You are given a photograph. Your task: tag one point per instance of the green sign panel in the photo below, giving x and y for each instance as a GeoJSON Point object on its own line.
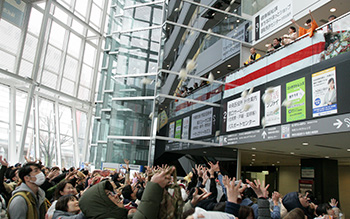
{"type": "Point", "coordinates": [295, 91]}
{"type": "Point", "coordinates": [178, 128]}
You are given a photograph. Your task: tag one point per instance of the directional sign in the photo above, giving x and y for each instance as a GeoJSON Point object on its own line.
{"type": "Point", "coordinates": [334, 124]}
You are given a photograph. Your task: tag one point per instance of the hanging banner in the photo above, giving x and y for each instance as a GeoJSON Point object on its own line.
{"type": "Point", "coordinates": [272, 109]}
{"type": "Point", "coordinates": [243, 112]}
{"type": "Point", "coordinates": [324, 93]}
{"type": "Point", "coordinates": [202, 123]}
{"type": "Point", "coordinates": [295, 91]}
{"type": "Point", "coordinates": [13, 12]}
{"type": "Point", "coordinates": [272, 16]}
{"type": "Point", "coordinates": [229, 47]}
{"type": "Point", "coordinates": [178, 128]}
{"type": "Point", "coordinates": [186, 127]}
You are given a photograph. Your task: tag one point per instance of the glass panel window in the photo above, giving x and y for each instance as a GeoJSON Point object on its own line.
{"type": "Point", "coordinates": [70, 68]}
{"type": "Point", "coordinates": [35, 22]}
{"type": "Point", "coordinates": [4, 103]}
{"type": "Point", "coordinates": [30, 47]}
{"type": "Point", "coordinates": [26, 68]}
{"type": "Point", "coordinates": [57, 34]}
{"type": "Point", "coordinates": [4, 139]}
{"type": "Point", "coordinates": [9, 36]}
{"type": "Point", "coordinates": [52, 59]}
{"type": "Point", "coordinates": [49, 79]}
{"type": "Point", "coordinates": [21, 99]}
{"type": "Point", "coordinates": [74, 45]}
{"type": "Point", "coordinates": [95, 17]}
{"type": "Point", "coordinates": [7, 61]}
{"type": "Point", "coordinates": [67, 86]}
{"type": "Point", "coordinates": [89, 54]}
{"type": "Point", "coordinates": [86, 75]}
{"type": "Point", "coordinates": [81, 7]}
{"type": "Point", "coordinates": [84, 93]}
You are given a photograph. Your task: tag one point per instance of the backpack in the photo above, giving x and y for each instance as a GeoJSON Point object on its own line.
{"type": "Point", "coordinates": [171, 206]}
{"type": "Point", "coordinates": [31, 212]}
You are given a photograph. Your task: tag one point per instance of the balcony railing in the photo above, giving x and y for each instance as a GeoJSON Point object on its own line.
{"type": "Point", "coordinates": [330, 40]}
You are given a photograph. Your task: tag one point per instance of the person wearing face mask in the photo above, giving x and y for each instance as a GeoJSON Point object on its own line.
{"type": "Point", "coordinates": [28, 200]}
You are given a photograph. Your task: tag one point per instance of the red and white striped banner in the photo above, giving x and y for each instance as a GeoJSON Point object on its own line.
{"type": "Point", "coordinates": [303, 53]}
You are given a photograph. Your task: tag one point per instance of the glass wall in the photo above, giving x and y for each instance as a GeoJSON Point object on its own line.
{"type": "Point", "coordinates": [50, 62]}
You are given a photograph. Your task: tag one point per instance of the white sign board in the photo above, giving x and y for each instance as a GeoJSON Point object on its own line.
{"type": "Point", "coordinates": [243, 112]}
{"type": "Point", "coordinates": [185, 127]}
{"type": "Point", "coordinates": [202, 123]}
{"type": "Point", "coordinates": [324, 93]}
{"type": "Point", "coordinates": [273, 109]}
{"type": "Point", "coordinates": [272, 16]}
{"type": "Point", "coordinates": [171, 130]}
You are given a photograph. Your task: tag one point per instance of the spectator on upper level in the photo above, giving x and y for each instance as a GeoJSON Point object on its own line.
{"type": "Point", "coordinates": [253, 56]}
{"type": "Point", "coordinates": [290, 37]}
{"type": "Point", "coordinates": [310, 23]}
{"type": "Point", "coordinates": [276, 43]}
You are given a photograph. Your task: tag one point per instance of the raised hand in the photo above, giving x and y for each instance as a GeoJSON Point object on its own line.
{"type": "Point", "coordinates": [163, 177]}
{"type": "Point", "coordinates": [232, 191]}
{"type": "Point", "coordinates": [3, 162]}
{"type": "Point", "coordinates": [259, 189]}
{"type": "Point", "coordinates": [215, 167]}
{"type": "Point", "coordinates": [333, 202]}
{"type": "Point", "coordinates": [197, 198]}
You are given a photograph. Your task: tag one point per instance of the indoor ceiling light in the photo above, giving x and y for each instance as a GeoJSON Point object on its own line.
{"type": "Point", "coordinates": [348, 149]}
{"type": "Point", "coordinates": [253, 159]}
{"type": "Point", "coordinates": [291, 152]}
{"type": "Point", "coordinates": [332, 9]}
{"type": "Point", "coordinates": [253, 148]}
{"type": "Point", "coordinates": [253, 155]}
{"type": "Point", "coordinates": [277, 162]}
{"type": "Point", "coordinates": [228, 66]}
{"type": "Point", "coordinates": [218, 72]}
{"type": "Point", "coordinates": [305, 143]}
{"type": "Point", "coordinates": [326, 157]}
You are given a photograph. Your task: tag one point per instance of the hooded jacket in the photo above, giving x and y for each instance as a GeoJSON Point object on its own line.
{"type": "Point", "coordinates": [18, 207]}
{"type": "Point", "coordinates": [96, 204]}
{"type": "Point", "coordinates": [66, 215]}
{"type": "Point", "coordinates": [291, 201]}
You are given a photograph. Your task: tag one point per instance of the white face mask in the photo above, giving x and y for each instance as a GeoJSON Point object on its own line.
{"type": "Point", "coordinates": [40, 179]}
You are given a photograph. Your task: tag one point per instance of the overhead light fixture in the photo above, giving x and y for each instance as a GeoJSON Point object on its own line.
{"type": "Point", "coordinates": [250, 164]}
{"type": "Point", "coordinates": [253, 155]}
{"type": "Point", "coordinates": [332, 10]}
{"type": "Point", "coordinates": [305, 143]}
{"type": "Point", "coordinates": [326, 157]}
{"type": "Point", "coordinates": [253, 148]}
{"type": "Point", "coordinates": [291, 152]}
{"type": "Point", "coordinates": [277, 162]}
{"type": "Point", "coordinates": [204, 152]}
{"type": "Point", "coordinates": [228, 66]}
{"type": "Point", "coordinates": [218, 72]}
{"type": "Point", "coordinates": [273, 164]}
{"type": "Point", "coordinates": [348, 150]}
{"type": "Point", "coordinates": [225, 17]}
{"type": "Point", "coordinates": [253, 159]}
{"type": "Point", "coordinates": [237, 21]}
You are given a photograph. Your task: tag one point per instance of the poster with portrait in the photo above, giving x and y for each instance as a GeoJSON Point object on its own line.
{"type": "Point", "coordinates": [324, 93]}
{"type": "Point", "coordinates": [273, 109]}
{"type": "Point", "coordinates": [243, 112]}
{"type": "Point", "coordinates": [295, 91]}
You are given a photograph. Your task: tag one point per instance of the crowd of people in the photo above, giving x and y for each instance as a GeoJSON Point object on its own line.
{"type": "Point", "coordinates": [292, 35]}
{"type": "Point", "coordinates": [35, 191]}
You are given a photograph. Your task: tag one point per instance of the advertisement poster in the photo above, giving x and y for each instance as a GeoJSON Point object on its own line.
{"type": "Point", "coordinates": [324, 93]}
{"type": "Point", "coordinates": [186, 127]}
{"type": "Point", "coordinates": [178, 128]}
{"type": "Point", "coordinates": [272, 109]}
{"type": "Point", "coordinates": [243, 112]}
{"type": "Point", "coordinates": [295, 91]}
{"type": "Point", "coordinates": [202, 123]}
{"type": "Point", "coordinates": [171, 130]}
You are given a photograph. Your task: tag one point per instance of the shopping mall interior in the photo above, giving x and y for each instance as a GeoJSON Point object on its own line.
{"type": "Point", "coordinates": [91, 82]}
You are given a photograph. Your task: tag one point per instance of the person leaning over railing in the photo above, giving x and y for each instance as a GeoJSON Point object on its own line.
{"type": "Point", "coordinates": [253, 56]}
